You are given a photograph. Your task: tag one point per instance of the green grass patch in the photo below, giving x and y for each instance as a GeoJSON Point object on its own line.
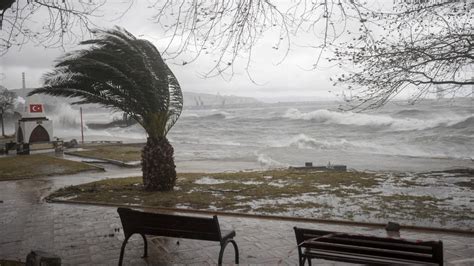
{"type": "Point", "coordinates": [38, 165]}
{"type": "Point", "coordinates": [232, 191]}
{"type": "Point", "coordinates": [120, 152]}
{"type": "Point", "coordinates": [11, 263]}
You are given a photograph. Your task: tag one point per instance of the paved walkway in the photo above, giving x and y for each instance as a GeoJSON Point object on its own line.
{"type": "Point", "coordinates": [92, 235]}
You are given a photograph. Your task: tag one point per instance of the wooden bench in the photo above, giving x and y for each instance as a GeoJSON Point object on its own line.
{"type": "Point", "coordinates": [145, 223]}
{"type": "Point", "coordinates": [363, 249]}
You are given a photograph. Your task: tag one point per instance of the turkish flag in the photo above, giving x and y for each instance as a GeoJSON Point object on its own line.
{"type": "Point", "coordinates": [36, 108]}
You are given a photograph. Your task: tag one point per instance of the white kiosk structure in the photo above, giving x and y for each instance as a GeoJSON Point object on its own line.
{"type": "Point", "coordinates": [33, 127]}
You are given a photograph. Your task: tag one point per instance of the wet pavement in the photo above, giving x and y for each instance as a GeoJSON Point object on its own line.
{"type": "Point", "coordinates": [92, 235]}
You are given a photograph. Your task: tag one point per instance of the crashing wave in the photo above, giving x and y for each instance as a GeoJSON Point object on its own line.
{"type": "Point", "coordinates": [302, 141]}
{"type": "Point", "coordinates": [371, 120]}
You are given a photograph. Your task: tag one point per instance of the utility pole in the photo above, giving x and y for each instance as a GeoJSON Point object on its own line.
{"type": "Point", "coordinates": [82, 127]}
{"type": "Point", "coordinates": [1, 118]}
{"type": "Point", "coordinates": [23, 80]}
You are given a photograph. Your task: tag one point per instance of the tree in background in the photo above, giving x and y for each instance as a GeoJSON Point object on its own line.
{"type": "Point", "coordinates": [392, 49]}
{"type": "Point", "coordinates": [383, 47]}
{"type": "Point", "coordinates": [124, 73]}
{"type": "Point", "coordinates": [7, 100]}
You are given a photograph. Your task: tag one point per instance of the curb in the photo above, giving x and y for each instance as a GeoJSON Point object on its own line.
{"type": "Point", "coordinates": [104, 160]}
{"type": "Point", "coordinates": [267, 217]}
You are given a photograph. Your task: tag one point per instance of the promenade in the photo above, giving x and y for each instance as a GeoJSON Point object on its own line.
{"type": "Point", "coordinates": [92, 235]}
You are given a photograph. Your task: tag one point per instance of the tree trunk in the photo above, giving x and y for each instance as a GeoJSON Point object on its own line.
{"type": "Point", "coordinates": [159, 170]}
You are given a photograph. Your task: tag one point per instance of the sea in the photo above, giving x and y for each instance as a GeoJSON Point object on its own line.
{"type": "Point", "coordinates": [430, 135]}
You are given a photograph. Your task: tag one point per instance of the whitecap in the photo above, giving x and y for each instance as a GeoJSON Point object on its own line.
{"type": "Point", "coordinates": [372, 120]}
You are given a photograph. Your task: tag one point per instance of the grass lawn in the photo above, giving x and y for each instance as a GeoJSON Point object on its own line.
{"type": "Point", "coordinates": [221, 191]}
{"type": "Point", "coordinates": [120, 152]}
{"type": "Point", "coordinates": [11, 263]}
{"type": "Point", "coordinates": [38, 165]}
{"type": "Point", "coordinates": [356, 196]}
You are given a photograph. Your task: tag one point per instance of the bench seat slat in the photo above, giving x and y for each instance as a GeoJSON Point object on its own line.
{"type": "Point", "coordinates": [369, 251]}
{"type": "Point", "coordinates": [421, 247]}
{"type": "Point", "coordinates": [180, 234]}
{"type": "Point", "coordinates": [427, 249]}
{"type": "Point", "coordinates": [363, 259]}
{"type": "Point", "coordinates": [307, 233]}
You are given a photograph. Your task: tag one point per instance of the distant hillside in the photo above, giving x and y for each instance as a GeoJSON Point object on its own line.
{"type": "Point", "coordinates": [191, 99]}
{"type": "Point", "coordinates": [203, 99]}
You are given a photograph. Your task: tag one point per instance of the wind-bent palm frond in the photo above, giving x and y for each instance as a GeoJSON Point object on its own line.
{"type": "Point", "coordinates": [119, 71]}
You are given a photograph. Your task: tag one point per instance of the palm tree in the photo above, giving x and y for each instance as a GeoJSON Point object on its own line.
{"type": "Point", "coordinates": [121, 72]}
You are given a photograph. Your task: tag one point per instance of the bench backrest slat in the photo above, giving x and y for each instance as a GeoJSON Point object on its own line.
{"type": "Point", "coordinates": [320, 240]}
{"type": "Point", "coordinates": [169, 225]}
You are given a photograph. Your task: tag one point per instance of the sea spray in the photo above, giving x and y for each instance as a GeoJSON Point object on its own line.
{"type": "Point", "coordinates": [65, 117]}
{"type": "Point", "coordinates": [268, 163]}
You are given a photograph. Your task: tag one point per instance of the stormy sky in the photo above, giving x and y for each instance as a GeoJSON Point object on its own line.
{"type": "Point", "coordinates": [291, 79]}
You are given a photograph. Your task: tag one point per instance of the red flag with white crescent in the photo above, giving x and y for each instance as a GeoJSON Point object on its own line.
{"type": "Point", "coordinates": [36, 108]}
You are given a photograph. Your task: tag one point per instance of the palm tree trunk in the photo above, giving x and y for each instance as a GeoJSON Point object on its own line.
{"type": "Point", "coordinates": [159, 170]}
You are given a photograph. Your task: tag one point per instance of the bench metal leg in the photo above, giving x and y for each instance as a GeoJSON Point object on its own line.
{"type": "Point", "coordinates": [145, 253]}
{"type": "Point", "coordinates": [301, 258]}
{"type": "Point", "coordinates": [122, 250]}
{"type": "Point", "coordinates": [236, 250]}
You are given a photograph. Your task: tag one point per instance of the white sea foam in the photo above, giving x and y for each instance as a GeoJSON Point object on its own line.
{"type": "Point", "coordinates": [189, 115]}
{"type": "Point", "coordinates": [252, 182]}
{"type": "Point", "coordinates": [208, 114]}
{"type": "Point", "coordinates": [372, 120]}
{"type": "Point", "coordinates": [207, 180]}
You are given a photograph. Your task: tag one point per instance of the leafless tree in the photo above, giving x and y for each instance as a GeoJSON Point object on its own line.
{"type": "Point", "coordinates": [45, 23]}
{"type": "Point", "coordinates": [7, 99]}
{"type": "Point", "coordinates": [230, 30]}
{"type": "Point", "coordinates": [427, 46]}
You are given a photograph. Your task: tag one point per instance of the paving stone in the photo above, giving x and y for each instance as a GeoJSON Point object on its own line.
{"type": "Point", "coordinates": [85, 235]}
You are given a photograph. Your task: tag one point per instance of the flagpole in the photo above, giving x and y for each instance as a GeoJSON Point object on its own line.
{"type": "Point", "coordinates": [82, 127]}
